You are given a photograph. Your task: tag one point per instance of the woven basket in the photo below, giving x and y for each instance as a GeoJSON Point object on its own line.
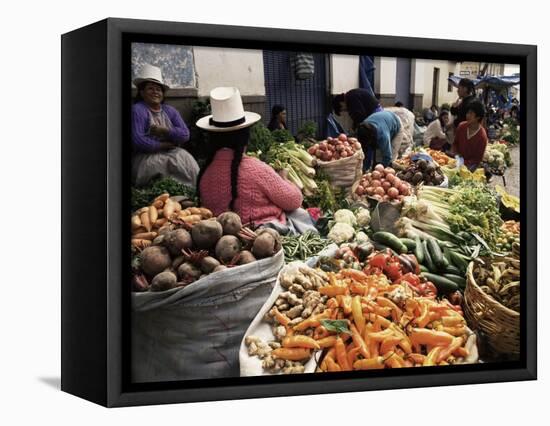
{"type": "Point", "coordinates": [499, 324]}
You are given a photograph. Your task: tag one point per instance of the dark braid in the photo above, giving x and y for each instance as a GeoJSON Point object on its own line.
{"type": "Point", "coordinates": [237, 141]}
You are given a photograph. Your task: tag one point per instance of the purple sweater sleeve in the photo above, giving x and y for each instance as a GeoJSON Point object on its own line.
{"type": "Point", "coordinates": [179, 133]}
{"type": "Point", "coordinates": [140, 127]}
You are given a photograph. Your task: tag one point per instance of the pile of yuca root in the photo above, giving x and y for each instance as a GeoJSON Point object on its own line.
{"type": "Point", "coordinates": [363, 322]}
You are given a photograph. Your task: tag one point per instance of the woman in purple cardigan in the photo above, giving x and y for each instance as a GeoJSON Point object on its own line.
{"type": "Point", "coordinates": [158, 134]}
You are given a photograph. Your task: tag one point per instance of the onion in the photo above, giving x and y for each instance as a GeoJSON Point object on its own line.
{"type": "Point", "coordinates": [386, 185]}
{"type": "Point", "coordinates": [376, 182]}
{"type": "Point", "coordinates": [390, 178]}
{"type": "Point", "coordinates": [342, 137]}
{"type": "Point", "coordinates": [379, 191]}
{"type": "Point", "coordinates": [397, 182]}
{"type": "Point", "coordinates": [389, 170]}
{"type": "Point", "coordinates": [359, 190]}
{"type": "Point", "coordinates": [376, 175]}
{"type": "Point", "coordinates": [379, 168]}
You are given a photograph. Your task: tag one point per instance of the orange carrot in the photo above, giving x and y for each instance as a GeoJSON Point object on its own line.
{"type": "Point", "coordinates": [341, 355]}
{"type": "Point", "coordinates": [374, 363]}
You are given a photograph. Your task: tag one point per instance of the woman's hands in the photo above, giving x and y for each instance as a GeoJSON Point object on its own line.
{"type": "Point", "coordinates": [159, 131]}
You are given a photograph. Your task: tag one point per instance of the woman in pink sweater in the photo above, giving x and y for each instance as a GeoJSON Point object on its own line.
{"type": "Point", "coordinates": [230, 180]}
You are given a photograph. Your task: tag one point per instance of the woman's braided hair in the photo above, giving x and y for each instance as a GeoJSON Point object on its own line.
{"type": "Point", "coordinates": [237, 141]}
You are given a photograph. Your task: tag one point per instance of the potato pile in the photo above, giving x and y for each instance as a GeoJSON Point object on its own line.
{"type": "Point", "coordinates": [186, 251]}
{"type": "Point", "coordinates": [382, 184]}
{"type": "Point", "coordinates": [422, 171]}
{"type": "Point", "coordinates": [147, 222]}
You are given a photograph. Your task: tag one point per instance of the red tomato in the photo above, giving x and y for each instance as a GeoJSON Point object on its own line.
{"type": "Point", "coordinates": [411, 279]}
{"type": "Point", "coordinates": [379, 260]}
{"type": "Point", "coordinates": [393, 270]}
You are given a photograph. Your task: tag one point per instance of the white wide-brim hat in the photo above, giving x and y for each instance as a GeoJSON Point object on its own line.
{"type": "Point", "coordinates": [228, 113]}
{"type": "Point", "coordinates": [150, 73]}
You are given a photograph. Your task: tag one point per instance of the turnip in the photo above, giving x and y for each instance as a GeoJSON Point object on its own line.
{"type": "Point", "coordinates": [177, 240]}
{"type": "Point", "coordinates": [246, 257]}
{"type": "Point", "coordinates": [231, 223]}
{"type": "Point", "coordinates": [189, 272]}
{"type": "Point", "coordinates": [206, 233]}
{"type": "Point", "coordinates": [164, 281]}
{"type": "Point", "coordinates": [208, 264]}
{"type": "Point", "coordinates": [155, 259]}
{"type": "Point", "coordinates": [266, 244]}
{"type": "Point", "coordinates": [227, 248]}
{"type": "Point", "coordinates": [219, 268]}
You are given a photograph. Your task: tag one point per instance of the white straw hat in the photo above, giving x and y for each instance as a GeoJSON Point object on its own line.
{"type": "Point", "coordinates": [228, 113]}
{"type": "Point", "coordinates": [150, 73]}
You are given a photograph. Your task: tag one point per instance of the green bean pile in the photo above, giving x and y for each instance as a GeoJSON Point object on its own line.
{"type": "Point", "coordinates": [302, 247]}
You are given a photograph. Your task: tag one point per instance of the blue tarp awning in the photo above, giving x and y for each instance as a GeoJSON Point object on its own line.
{"type": "Point", "coordinates": [489, 81]}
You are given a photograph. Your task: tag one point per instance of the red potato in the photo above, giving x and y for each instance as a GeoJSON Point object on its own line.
{"type": "Point", "coordinates": [404, 189]}
{"type": "Point", "coordinates": [393, 192]}
{"type": "Point", "coordinates": [376, 174]}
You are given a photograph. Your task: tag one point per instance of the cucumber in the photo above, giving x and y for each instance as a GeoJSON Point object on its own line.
{"type": "Point", "coordinates": [427, 258]}
{"type": "Point", "coordinates": [453, 270]}
{"type": "Point", "coordinates": [387, 238]}
{"type": "Point", "coordinates": [435, 253]}
{"type": "Point", "coordinates": [459, 261]}
{"type": "Point", "coordinates": [419, 251]}
{"type": "Point", "coordinates": [444, 285]}
{"type": "Point", "coordinates": [424, 269]}
{"type": "Point", "coordinates": [382, 247]}
{"type": "Point", "coordinates": [410, 244]}
{"type": "Point", "coordinates": [457, 279]}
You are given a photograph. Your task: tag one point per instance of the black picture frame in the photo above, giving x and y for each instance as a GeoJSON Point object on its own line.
{"type": "Point", "coordinates": [95, 183]}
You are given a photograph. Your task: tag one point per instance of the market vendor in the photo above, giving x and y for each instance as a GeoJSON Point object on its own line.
{"type": "Point", "coordinates": [278, 118]}
{"type": "Point", "coordinates": [470, 136]}
{"type": "Point", "coordinates": [381, 134]}
{"type": "Point", "coordinates": [435, 135]}
{"type": "Point", "coordinates": [466, 94]}
{"type": "Point", "coordinates": [158, 134]}
{"type": "Point", "coordinates": [231, 180]}
{"type": "Point", "coordinates": [359, 104]}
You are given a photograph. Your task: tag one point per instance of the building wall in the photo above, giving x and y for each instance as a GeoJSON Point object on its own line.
{"type": "Point", "coordinates": [384, 79]}
{"type": "Point", "coordinates": [242, 68]}
{"type": "Point", "coordinates": [345, 73]}
{"type": "Point", "coordinates": [427, 71]}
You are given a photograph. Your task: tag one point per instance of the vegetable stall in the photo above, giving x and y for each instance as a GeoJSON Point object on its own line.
{"type": "Point", "coordinates": [413, 265]}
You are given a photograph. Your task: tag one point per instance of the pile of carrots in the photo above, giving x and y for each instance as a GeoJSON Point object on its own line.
{"type": "Point", "coordinates": [379, 325]}
{"type": "Point", "coordinates": [149, 220]}
{"type": "Point", "coordinates": [441, 158]}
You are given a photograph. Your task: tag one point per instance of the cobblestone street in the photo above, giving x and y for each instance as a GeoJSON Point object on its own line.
{"type": "Point", "coordinates": [511, 175]}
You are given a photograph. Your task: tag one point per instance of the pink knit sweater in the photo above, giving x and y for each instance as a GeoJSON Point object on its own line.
{"type": "Point", "coordinates": [263, 195]}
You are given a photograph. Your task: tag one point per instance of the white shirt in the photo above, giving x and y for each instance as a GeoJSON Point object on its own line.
{"type": "Point", "coordinates": [434, 130]}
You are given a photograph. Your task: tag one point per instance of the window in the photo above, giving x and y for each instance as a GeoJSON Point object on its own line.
{"type": "Point", "coordinates": [449, 85]}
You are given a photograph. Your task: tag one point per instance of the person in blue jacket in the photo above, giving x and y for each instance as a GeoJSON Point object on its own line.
{"type": "Point", "coordinates": [380, 134]}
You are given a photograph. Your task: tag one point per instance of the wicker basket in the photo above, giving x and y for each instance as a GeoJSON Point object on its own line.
{"type": "Point", "coordinates": [499, 324]}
